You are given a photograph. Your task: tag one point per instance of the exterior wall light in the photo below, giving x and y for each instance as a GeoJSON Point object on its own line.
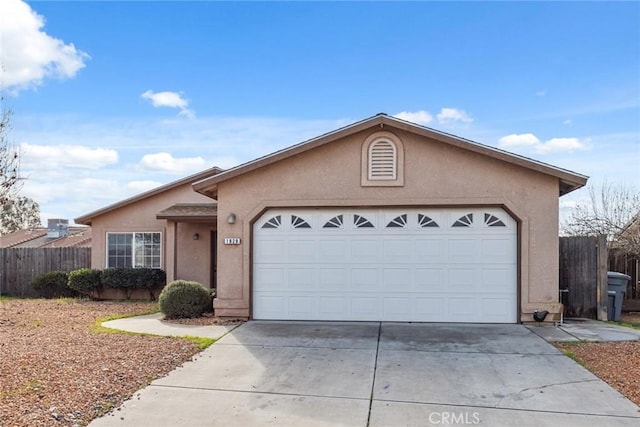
{"type": "Point", "coordinates": [231, 219]}
{"type": "Point", "coordinates": [196, 236]}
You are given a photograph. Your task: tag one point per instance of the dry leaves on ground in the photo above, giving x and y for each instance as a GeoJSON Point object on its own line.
{"type": "Point", "coordinates": [56, 370]}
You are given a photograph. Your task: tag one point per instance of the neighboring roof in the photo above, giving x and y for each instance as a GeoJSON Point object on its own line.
{"type": "Point", "coordinates": [79, 236]}
{"type": "Point", "coordinates": [190, 212]}
{"type": "Point", "coordinates": [86, 219]}
{"type": "Point", "coordinates": [569, 181]}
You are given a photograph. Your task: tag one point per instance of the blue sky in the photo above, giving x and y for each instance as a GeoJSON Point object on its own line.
{"type": "Point", "coordinates": [114, 98]}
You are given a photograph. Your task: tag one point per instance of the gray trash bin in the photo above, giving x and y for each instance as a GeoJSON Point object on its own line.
{"type": "Point", "coordinates": [617, 283]}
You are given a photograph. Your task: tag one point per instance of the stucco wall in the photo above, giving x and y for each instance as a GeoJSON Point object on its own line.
{"type": "Point", "coordinates": [436, 174]}
{"type": "Point", "coordinates": [193, 256]}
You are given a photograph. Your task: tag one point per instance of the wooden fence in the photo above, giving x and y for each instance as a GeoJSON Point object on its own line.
{"type": "Point", "coordinates": [583, 272]}
{"type": "Point", "coordinates": [19, 266]}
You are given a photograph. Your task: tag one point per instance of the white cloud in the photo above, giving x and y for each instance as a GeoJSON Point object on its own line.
{"type": "Point", "coordinates": [165, 162]}
{"type": "Point", "coordinates": [552, 145]}
{"type": "Point", "coordinates": [420, 117]}
{"type": "Point", "coordinates": [171, 100]}
{"type": "Point", "coordinates": [66, 156]}
{"type": "Point", "coordinates": [518, 140]}
{"type": "Point", "coordinates": [29, 54]}
{"type": "Point", "coordinates": [567, 122]}
{"type": "Point", "coordinates": [453, 115]}
{"type": "Point", "coordinates": [541, 92]}
{"type": "Point", "coordinates": [136, 187]}
{"type": "Point", "coordinates": [562, 144]}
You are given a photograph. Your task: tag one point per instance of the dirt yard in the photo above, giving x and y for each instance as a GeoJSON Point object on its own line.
{"type": "Point", "coordinates": [57, 370]}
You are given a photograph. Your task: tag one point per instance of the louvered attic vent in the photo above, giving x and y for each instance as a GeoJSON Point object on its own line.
{"type": "Point", "coordinates": [382, 160]}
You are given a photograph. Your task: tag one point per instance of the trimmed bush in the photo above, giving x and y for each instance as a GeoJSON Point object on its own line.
{"type": "Point", "coordinates": [182, 298]}
{"type": "Point", "coordinates": [140, 278]}
{"type": "Point", "coordinates": [53, 285]}
{"type": "Point", "coordinates": [85, 280]}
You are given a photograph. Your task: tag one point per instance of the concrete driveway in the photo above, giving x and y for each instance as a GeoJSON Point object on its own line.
{"type": "Point", "coordinates": [377, 374]}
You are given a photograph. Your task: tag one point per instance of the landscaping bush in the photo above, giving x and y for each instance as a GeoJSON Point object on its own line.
{"type": "Point", "coordinates": [134, 278]}
{"type": "Point", "coordinates": [85, 280]}
{"type": "Point", "coordinates": [53, 285]}
{"type": "Point", "coordinates": [182, 298]}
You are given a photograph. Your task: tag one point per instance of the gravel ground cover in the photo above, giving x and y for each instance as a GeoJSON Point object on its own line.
{"type": "Point", "coordinates": [617, 363]}
{"type": "Point", "coordinates": [56, 369]}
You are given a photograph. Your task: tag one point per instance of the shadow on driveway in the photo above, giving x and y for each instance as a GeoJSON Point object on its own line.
{"type": "Point", "coordinates": [377, 374]}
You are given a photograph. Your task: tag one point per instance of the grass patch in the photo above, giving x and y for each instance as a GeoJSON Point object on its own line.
{"type": "Point", "coordinates": [99, 329]}
{"type": "Point", "coordinates": [201, 342]}
{"type": "Point", "coordinates": [626, 324]}
{"type": "Point", "coordinates": [571, 355]}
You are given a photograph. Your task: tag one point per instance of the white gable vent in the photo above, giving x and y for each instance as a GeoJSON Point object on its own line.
{"type": "Point", "coordinates": [57, 228]}
{"type": "Point", "coordinates": [382, 160]}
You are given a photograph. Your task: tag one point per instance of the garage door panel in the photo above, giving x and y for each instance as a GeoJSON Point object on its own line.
{"type": "Point", "coordinates": [396, 308]}
{"type": "Point", "coordinates": [335, 249]}
{"type": "Point", "coordinates": [299, 306]}
{"type": "Point", "coordinates": [498, 280]}
{"type": "Point", "coordinates": [461, 280]}
{"type": "Point", "coordinates": [301, 279]}
{"type": "Point", "coordinates": [332, 306]}
{"type": "Point", "coordinates": [396, 279]}
{"type": "Point", "coordinates": [303, 250]}
{"type": "Point", "coordinates": [430, 250]}
{"type": "Point", "coordinates": [445, 265]}
{"type": "Point", "coordinates": [333, 278]}
{"type": "Point", "coordinates": [496, 309]}
{"type": "Point", "coordinates": [271, 250]}
{"type": "Point", "coordinates": [364, 279]}
{"type": "Point", "coordinates": [398, 250]}
{"type": "Point", "coordinates": [430, 309]}
{"type": "Point", "coordinates": [364, 308]}
{"type": "Point", "coordinates": [429, 279]}
{"type": "Point", "coordinates": [364, 250]}
{"type": "Point", "coordinates": [463, 250]}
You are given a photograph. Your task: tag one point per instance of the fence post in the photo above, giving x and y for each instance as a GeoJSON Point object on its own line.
{"type": "Point", "coordinates": [602, 288]}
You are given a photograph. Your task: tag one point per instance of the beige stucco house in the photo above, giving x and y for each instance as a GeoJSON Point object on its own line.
{"type": "Point", "coordinates": [380, 220]}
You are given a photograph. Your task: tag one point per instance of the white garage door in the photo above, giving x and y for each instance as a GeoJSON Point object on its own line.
{"type": "Point", "coordinates": [425, 265]}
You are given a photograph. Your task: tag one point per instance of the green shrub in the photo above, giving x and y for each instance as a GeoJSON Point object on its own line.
{"type": "Point", "coordinates": [53, 285]}
{"type": "Point", "coordinates": [182, 298]}
{"type": "Point", "coordinates": [140, 278]}
{"type": "Point", "coordinates": [85, 280]}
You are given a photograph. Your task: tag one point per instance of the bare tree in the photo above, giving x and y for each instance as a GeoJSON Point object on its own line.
{"type": "Point", "coordinates": [612, 209]}
{"type": "Point", "coordinates": [9, 159]}
{"type": "Point", "coordinates": [16, 212]}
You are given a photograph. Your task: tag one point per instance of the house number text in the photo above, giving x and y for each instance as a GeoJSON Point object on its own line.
{"type": "Point", "coordinates": [231, 240]}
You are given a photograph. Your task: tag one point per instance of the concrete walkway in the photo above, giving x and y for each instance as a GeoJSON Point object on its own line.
{"type": "Point", "coordinates": [573, 330]}
{"type": "Point", "coordinates": [371, 374]}
{"type": "Point", "coordinates": [153, 325]}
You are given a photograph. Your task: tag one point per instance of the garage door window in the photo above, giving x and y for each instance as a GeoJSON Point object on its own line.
{"type": "Point", "coordinates": [335, 222]}
{"type": "Point", "coordinates": [464, 221]}
{"type": "Point", "coordinates": [493, 221]}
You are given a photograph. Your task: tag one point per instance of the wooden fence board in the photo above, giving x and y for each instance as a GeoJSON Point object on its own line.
{"type": "Point", "coordinates": [579, 273]}
{"type": "Point", "coordinates": [19, 266]}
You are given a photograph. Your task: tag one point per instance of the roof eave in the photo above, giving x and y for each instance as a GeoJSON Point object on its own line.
{"type": "Point", "coordinates": [569, 181]}
{"type": "Point", "coordinates": [86, 219]}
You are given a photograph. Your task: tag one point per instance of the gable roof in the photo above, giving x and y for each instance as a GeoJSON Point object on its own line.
{"type": "Point", "coordinates": [569, 181]}
{"type": "Point", "coordinates": [79, 236]}
{"type": "Point", "coordinates": [86, 219]}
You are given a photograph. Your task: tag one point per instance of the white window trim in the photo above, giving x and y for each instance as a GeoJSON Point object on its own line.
{"type": "Point", "coordinates": [367, 180]}
{"type": "Point", "coordinates": [106, 244]}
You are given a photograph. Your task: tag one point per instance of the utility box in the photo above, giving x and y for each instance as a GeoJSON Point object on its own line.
{"type": "Point", "coordinates": [617, 286]}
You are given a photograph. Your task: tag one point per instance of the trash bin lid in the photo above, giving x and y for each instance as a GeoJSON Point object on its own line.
{"type": "Point", "coordinates": [616, 275]}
